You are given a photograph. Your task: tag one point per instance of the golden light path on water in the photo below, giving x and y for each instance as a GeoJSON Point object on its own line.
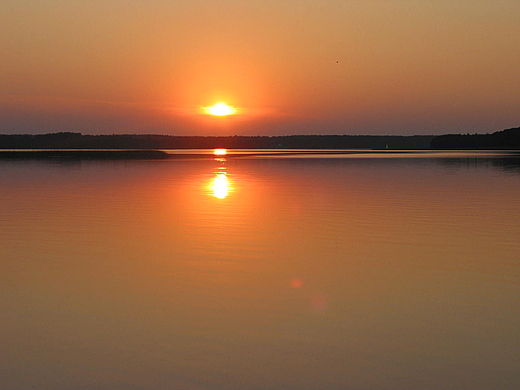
{"type": "Point", "coordinates": [220, 186]}
{"type": "Point", "coordinates": [220, 183]}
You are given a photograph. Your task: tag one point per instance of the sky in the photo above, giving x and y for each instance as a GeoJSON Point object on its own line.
{"type": "Point", "coordinates": [288, 67]}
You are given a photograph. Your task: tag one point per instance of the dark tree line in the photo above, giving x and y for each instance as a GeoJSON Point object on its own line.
{"type": "Point", "coordinates": [66, 140]}
{"type": "Point", "coordinates": [505, 139]}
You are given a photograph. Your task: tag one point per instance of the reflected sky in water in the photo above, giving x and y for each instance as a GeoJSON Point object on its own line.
{"type": "Point", "coordinates": [260, 273]}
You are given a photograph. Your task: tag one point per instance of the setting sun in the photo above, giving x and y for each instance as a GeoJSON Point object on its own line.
{"type": "Point", "coordinates": [220, 109]}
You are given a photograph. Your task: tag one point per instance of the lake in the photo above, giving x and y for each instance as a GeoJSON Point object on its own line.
{"type": "Point", "coordinates": [252, 270]}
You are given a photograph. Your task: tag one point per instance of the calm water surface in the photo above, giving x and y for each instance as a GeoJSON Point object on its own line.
{"type": "Point", "coordinates": [383, 271]}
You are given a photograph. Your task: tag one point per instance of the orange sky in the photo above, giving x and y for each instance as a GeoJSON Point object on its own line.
{"type": "Point", "coordinates": [291, 67]}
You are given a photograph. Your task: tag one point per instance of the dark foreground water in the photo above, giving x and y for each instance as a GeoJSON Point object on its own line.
{"type": "Point", "coordinates": [364, 272]}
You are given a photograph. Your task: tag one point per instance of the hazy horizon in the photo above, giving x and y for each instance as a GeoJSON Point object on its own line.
{"type": "Point", "coordinates": [381, 67]}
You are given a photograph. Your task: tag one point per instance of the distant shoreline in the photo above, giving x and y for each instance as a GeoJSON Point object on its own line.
{"type": "Point", "coordinates": [135, 155]}
{"type": "Point", "coordinates": [57, 141]}
{"type": "Point", "coordinates": [140, 146]}
{"type": "Point", "coordinates": [82, 154]}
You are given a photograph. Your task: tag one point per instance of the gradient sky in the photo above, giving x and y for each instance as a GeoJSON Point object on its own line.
{"type": "Point", "coordinates": [289, 67]}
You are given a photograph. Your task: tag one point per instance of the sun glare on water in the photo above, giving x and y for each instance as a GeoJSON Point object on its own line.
{"type": "Point", "coordinates": [220, 186]}
{"type": "Point", "coordinates": [220, 109]}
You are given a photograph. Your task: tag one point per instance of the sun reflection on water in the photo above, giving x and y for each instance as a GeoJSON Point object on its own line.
{"type": "Point", "coordinates": [220, 183]}
{"type": "Point", "coordinates": [220, 186]}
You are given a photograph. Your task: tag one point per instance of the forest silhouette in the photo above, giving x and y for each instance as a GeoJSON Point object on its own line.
{"type": "Point", "coordinates": [66, 144]}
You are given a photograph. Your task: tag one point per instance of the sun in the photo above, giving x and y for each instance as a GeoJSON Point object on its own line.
{"type": "Point", "coordinates": [220, 109]}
